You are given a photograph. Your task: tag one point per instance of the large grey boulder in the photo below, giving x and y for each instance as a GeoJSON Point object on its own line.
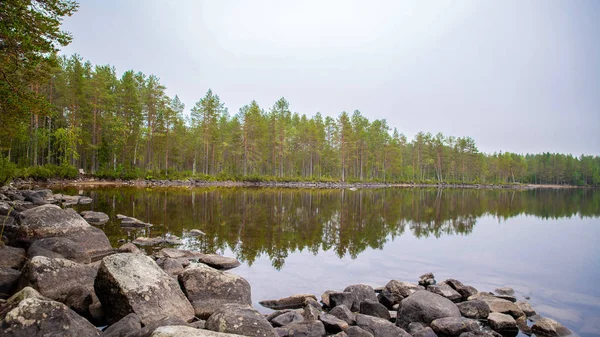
{"type": "Point", "coordinates": [38, 317]}
{"type": "Point", "coordinates": [376, 309]}
{"type": "Point", "coordinates": [453, 326]}
{"type": "Point", "coordinates": [240, 319]}
{"type": "Point", "coordinates": [50, 220]}
{"type": "Point", "coordinates": [11, 257]}
{"type": "Point", "coordinates": [209, 289]}
{"type": "Point", "coordinates": [342, 298]}
{"type": "Point", "coordinates": [363, 293]}
{"type": "Point", "coordinates": [291, 302]}
{"type": "Point", "coordinates": [186, 331]}
{"type": "Point", "coordinates": [379, 327]}
{"type": "Point", "coordinates": [9, 280]}
{"type": "Point", "coordinates": [401, 290]}
{"type": "Point", "coordinates": [424, 306]}
{"type": "Point", "coordinates": [55, 278]}
{"type": "Point", "coordinates": [475, 309]}
{"type": "Point", "coordinates": [283, 318]}
{"type": "Point", "coordinates": [549, 327]}
{"type": "Point", "coordinates": [59, 247]}
{"type": "Point", "coordinates": [129, 283]}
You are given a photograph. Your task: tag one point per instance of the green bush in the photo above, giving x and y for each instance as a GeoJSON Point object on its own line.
{"type": "Point", "coordinates": [8, 170]}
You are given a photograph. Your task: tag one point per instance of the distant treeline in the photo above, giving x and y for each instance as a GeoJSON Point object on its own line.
{"type": "Point", "coordinates": [128, 127]}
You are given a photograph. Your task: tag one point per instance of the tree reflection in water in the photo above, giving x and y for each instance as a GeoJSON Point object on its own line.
{"type": "Point", "coordinates": [276, 222]}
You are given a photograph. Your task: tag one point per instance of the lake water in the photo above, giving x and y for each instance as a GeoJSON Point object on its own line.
{"type": "Point", "coordinates": [543, 243]}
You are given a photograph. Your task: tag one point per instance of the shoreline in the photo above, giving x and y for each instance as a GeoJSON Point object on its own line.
{"type": "Point", "coordinates": [92, 182]}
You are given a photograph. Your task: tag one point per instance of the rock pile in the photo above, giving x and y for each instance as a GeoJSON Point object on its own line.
{"type": "Point", "coordinates": [60, 276]}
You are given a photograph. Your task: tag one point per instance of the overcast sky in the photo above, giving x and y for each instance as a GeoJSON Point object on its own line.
{"type": "Point", "coordinates": [519, 76]}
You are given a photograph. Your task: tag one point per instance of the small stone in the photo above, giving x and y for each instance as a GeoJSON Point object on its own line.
{"type": "Point", "coordinates": [425, 332]}
{"type": "Point", "coordinates": [446, 291]}
{"type": "Point", "coordinates": [129, 248]}
{"type": "Point", "coordinates": [522, 325]}
{"type": "Point", "coordinates": [505, 291]}
{"type": "Point", "coordinates": [363, 293]}
{"type": "Point", "coordinates": [386, 298]}
{"type": "Point", "coordinates": [426, 279]}
{"type": "Point", "coordinates": [341, 298]}
{"type": "Point", "coordinates": [196, 232]}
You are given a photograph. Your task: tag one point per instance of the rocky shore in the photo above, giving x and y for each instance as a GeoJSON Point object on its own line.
{"type": "Point", "coordinates": [299, 184]}
{"type": "Point", "coordinates": [59, 276]}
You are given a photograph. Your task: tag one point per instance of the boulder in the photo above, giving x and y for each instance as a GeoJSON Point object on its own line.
{"type": "Point", "coordinates": [526, 308]}
{"type": "Point", "coordinates": [342, 312]}
{"type": "Point", "coordinates": [9, 280]}
{"type": "Point", "coordinates": [218, 262]}
{"type": "Point", "coordinates": [311, 312]}
{"type": "Point", "coordinates": [401, 290]}
{"type": "Point", "coordinates": [522, 325]}
{"type": "Point", "coordinates": [508, 291]}
{"type": "Point", "coordinates": [61, 247]}
{"type": "Point", "coordinates": [38, 317]}
{"type": "Point", "coordinates": [333, 324]}
{"type": "Point", "coordinates": [480, 334]}
{"type": "Point", "coordinates": [127, 221]}
{"type": "Point", "coordinates": [466, 292]}
{"type": "Point", "coordinates": [325, 298]}
{"type": "Point", "coordinates": [11, 257]}
{"type": "Point", "coordinates": [52, 221]}
{"type": "Point", "coordinates": [129, 283]}
{"type": "Point", "coordinates": [186, 331]}
{"type": "Point", "coordinates": [363, 293]}
{"type": "Point", "coordinates": [95, 218]}
{"type": "Point", "coordinates": [292, 302]}
{"type": "Point", "coordinates": [341, 298]}
{"type": "Point", "coordinates": [240, 319]}
{"type": "Point", "coordinates": [426, 280]}
{"type": "Point", "coordinates": [129, 248]}
{"type": "Point", "coordinates": [503, 306]}
{"type": "Point", "coordinates": [387, 299]}
{"type": "Point", "coordinates": [355, 331]}
{"type": "Point", "coordinates": [303, 329]}
{"type": "Point", "coordinates": [209, 289]}
{"type": "Point", "coordinates": [425, 332]}
{"type": "Point", "coordinates": [502, 323]}
{"type": "Point", "coordinates": [475, 309]}
{"type": "Point", "coordinates": [55, 278]}
{"type": "Point", "coordinates": [285, 318]}
{"type": "Point", "coordinates": [144, 241]}
{"type": "Point", "coordinates": [453, 326]}
{"type": "Point", "coordinates": [376, 309]}
{"type": "Point", "coordinates": [379, 327]}
{"type": "Point", "coordinates": [173, 267]}
{"type": "Point", "coordinates": [549, 327]}
{"type": "Point", "coordinates": [424, 306]}
{"type": "Point", "coordinates": [148, 329]}
{"type": "Point", "coordinates": [79, 300]}
{"type": "Point", "coordinates": [446, 291]}
{"type": "Point", "coordinates": [124, 326]}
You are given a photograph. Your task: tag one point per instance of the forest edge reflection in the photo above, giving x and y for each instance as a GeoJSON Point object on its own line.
{"type": "Point", "coordinates": [276, 222]}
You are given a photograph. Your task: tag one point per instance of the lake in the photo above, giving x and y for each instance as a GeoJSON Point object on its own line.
{"type": "Point", "coordinates": [541, 242]}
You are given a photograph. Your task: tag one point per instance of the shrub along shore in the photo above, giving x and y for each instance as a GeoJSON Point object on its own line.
{"type": "Point", "coordinates": [59, 274]}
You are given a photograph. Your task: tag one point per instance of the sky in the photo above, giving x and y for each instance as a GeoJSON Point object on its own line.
{"type": "Point", "coordinates": [517, 76]}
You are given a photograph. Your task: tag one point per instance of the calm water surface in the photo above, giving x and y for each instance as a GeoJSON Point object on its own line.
{"type": "Point", "coordinates": [543, 243]}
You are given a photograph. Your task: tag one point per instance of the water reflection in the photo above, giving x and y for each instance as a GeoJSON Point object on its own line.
{"type": "Point", "coordinates": [276, 222]}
